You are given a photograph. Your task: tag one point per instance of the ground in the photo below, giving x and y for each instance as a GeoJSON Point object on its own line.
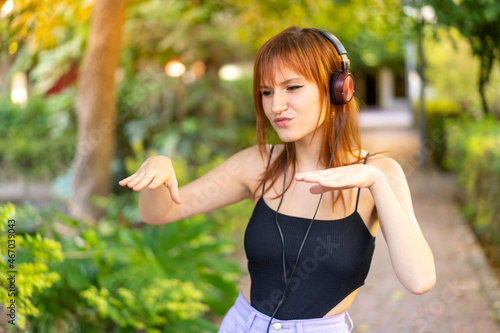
{"type": "Point", "coordinates": [466, 297]}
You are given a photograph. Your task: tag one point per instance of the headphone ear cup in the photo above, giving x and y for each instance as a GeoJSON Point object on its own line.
{"type": "Point", "coordinates": [341, 87]}
{"type": "Point", "coordinates": [333, 79]}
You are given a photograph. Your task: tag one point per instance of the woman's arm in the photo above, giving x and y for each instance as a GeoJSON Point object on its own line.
{"type": "Point", "coordinates": [160, 201]}
{"type": "Point", "coordinates": [410, 254]}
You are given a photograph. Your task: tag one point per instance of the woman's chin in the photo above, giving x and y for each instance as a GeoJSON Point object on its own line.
{"type": "Point", "coordinates": [287, 138]}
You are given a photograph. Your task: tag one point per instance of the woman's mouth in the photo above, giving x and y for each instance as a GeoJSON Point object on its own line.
{"type": "Point", "coordinates": [281, 121]}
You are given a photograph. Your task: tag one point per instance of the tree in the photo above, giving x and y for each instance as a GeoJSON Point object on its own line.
{"type": "Point", "coordinates": [479, 22]}
{"type": "Point", "coordinates": [95, 106]}
{"type": "Point", "coordinates": [35, 26]}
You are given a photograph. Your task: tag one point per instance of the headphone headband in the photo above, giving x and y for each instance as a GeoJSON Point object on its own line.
{"type": "Point", "coordinates": [346, 64]}
{"type": "Point", "coordinates": [341, 83]}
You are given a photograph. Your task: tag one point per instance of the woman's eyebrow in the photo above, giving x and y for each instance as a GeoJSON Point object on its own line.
{"type": "Point", "coordinates": [285, 82]}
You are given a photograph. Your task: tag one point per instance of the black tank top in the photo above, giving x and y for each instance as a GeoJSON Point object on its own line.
{"type": "Point", "coordinates": [335, 261]}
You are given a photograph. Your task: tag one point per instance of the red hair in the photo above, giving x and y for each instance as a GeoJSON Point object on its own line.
{"type": "Point", "coordinates": [309, 54]}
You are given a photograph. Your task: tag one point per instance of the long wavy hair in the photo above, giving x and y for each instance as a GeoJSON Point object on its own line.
{"type": "Point", "coordinates": [309, 54]}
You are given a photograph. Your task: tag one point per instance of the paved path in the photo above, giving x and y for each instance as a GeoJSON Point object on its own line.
{"type": "Point", "coordinates": [19, 192]}
{"type": "Point", "coordinates": [466, 298]}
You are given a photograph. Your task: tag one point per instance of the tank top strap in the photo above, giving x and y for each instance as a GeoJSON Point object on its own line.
{"type": "Point", "coordinates": [268, 163]}
{"type": "Point", "coordinates": [359, 189]}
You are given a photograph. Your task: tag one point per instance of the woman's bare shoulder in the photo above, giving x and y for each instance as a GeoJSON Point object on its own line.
{"type": "Point", "coordinates": [255, 154]}
{"type": "Point", "coordinates": [386, 164]}
{"type": "Point", "coordinates": [252, 159]}
{"type": "Point", "coordinates": [251, 155]}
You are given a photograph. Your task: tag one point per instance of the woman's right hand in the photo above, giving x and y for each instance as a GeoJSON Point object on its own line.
{"type": "Point", "coordinates": [153, 173]}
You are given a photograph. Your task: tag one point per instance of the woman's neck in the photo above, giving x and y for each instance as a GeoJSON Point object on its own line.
{"type": "Point", "coordinates": [308, 153]}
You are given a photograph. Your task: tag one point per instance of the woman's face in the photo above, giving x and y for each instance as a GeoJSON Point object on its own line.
{"type": "Point", "coordinates": [292, 106]}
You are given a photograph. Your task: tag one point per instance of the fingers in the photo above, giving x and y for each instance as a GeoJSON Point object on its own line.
{"type": "Point", "coordinates": [313, 177]}
{"type": "Point", "coordinates": [325, 182]}
{"type": "Point", "coordinates": [140, 182]}
{"type": "Point", "coordinates": [298, 176]}
{"type": "Point", "coordinates": [325, 186]}
{"type": "Point", "coordinates": [155, 183]}
{"type": "Point", "coordinates": [124, 181]}
{"type": "Point", "coordinates": [173, 187]}
{"type": "Point", "coordinates": [318, 189]}
{"type": "Point", "coordinates": [153, 173]}
{"type": "Point", "coordinates": [303, 176]}
{"type": "Point", "coordinates": [308, 179]}
{"type": "Point", "coordinates": [313, 174]}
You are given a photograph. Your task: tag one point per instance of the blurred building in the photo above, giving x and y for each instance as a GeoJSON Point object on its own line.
{"type": "Point", "coordinates": [382, 87]}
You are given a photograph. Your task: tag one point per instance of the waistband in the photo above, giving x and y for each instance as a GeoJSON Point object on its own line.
{"type": "Point", "coordinates": [257, 320]}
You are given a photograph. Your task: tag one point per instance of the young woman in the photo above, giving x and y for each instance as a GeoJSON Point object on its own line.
{"type": "Point", "coordinates": [310, 239]}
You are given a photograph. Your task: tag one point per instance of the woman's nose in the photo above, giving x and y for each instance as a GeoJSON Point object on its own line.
{"type": "Point", "coordinates": [279, 103]}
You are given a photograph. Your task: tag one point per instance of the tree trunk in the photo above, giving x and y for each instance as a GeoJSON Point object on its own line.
{"type": "Point", "coordinates": [5, 67]}
{"type": "Point", "coordinates": [422, 114]}
{"type": "Point", "coordinates": [95, 107]}
{"type": "Point", "coordinates": [484, 77]}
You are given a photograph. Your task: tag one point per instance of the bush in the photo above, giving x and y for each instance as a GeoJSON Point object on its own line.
{"type": "Point", "coordinates": [473, 153]}
{"type": "Point", "coordinates": [24, 268]}
{"type": "Point", "coordinates": [121, 275]}
{"type": "Point", "coordinates": [37, 140]}
{"type": "Point", "coordinates": [437, 112]}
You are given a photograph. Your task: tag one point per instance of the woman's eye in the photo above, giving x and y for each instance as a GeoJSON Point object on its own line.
{"type": "Point", "coordinates": [266, 93]}
{"type": "Point", "coordinates": [292, 88]}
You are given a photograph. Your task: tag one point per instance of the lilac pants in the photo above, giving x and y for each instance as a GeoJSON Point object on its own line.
{"type": "Point", "coordinates": [243, 318]}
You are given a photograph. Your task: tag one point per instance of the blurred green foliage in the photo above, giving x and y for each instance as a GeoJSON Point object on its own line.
{"type": "Point", "coordinates": [121, 275]}
{"type": "Point", "coordinates": [473, 153]}
{"type": "Point", "coordinates": [37, 140]}
{"type": "Point", "coordinates": [28, 259]}
{"type": "Point", "coordinates": [437, 113]}
{"type": "Point", "coordinates": [452, 72]}
{"type": "Point", "coordinates": [479, 23]}
{"type": "Point", "coordinates": [196, 121]}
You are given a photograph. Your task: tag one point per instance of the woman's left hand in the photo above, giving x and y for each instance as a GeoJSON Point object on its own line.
{"type": "Point", "coordinates": [341, 178]}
